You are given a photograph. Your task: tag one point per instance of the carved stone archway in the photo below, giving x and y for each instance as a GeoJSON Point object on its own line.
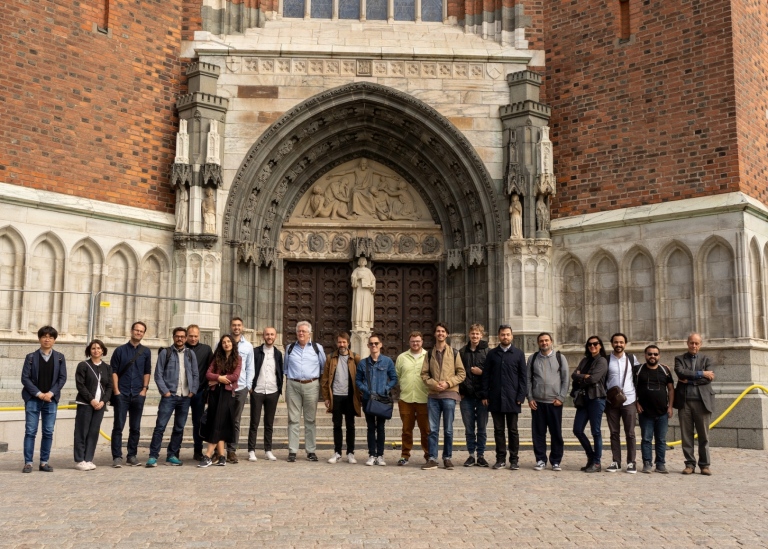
{"type": "Point", "coordinates": [398, 131]}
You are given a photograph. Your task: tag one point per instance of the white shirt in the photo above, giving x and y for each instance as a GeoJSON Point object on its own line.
{"type": "Point", "coordinates": [267, 382]}
{"type": "Point", "coordinates": [616, 369]}
{"type": "Point", "coordinates": [182, 389]}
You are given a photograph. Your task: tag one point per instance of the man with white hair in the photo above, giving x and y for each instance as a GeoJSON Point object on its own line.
{"type": "Point", "coordinates": [304, 361]}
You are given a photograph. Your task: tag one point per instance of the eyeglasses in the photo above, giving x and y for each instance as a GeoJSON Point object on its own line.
{"type": "Point", "coordinates": [373, 344]}
{"type": "Point", "coordinates": [651, 354]}
{"type": "Point", "coordinates": [593, 344]}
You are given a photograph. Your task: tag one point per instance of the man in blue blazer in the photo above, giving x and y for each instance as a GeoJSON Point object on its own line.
{"type": "Point", "coordinates": [43, 375]}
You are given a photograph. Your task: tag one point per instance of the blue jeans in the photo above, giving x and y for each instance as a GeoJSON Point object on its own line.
{"type": "Point", "coordinates": [651, 427]}
{"type": "Point", "coordinates": [125, 404]}
{"type": "Point", "coordinates": [35, 410]}
{"type": "Point", "coordinates": [446, 407]}
{"type": "Point", "coordinates": [473, 411]}
{"type": "Point", "coordinates": [592, 413]}
{"type": "Point", "coordinates": [179, 407]}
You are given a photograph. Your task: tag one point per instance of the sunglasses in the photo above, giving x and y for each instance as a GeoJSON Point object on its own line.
{"type": "Point", "coordinates": [593, 344]}
{"type": "Point", "coordinates": [651, 354]}
{"type": "Point", "coordinates": [374, 344]}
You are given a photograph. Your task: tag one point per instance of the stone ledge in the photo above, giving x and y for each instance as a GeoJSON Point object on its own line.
{"type": "Point", "coordinates": [74, 205]}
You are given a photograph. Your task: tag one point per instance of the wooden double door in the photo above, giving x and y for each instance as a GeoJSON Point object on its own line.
{"type": "Point", "coordinates": [405, 300]}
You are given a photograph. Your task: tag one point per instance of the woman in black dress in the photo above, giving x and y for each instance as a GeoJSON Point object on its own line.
{"type": "Point", "coordinates": [222, 377]}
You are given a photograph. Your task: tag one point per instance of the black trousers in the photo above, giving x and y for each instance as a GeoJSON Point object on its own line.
{"type": "Point", "coordinates": [547, 416]}
{"type": "Point", "coordinates": [269, 403]}
{"type": "Point", "coordinates": [343, 408]}
{"type": "Point", "coordinates": [240, 397]}
{"type": "Point", "coordinates": [501, 422]}
{"type": "Point", "coordinates": [87, 425]}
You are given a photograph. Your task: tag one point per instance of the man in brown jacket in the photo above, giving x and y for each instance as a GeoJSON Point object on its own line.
{"type": "Point", "coordinates": [341, 395]}
{"type": "Point", "coordinates": [442, 372]}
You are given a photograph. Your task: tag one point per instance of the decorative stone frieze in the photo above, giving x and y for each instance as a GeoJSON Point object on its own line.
{"type": "Point", "coordinates": [397, 68]}
{"type": "Point", "coordinates": [194, 241]}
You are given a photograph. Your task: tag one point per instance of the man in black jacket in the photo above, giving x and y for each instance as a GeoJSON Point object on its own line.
{"type": "Point", "coordinates": [695, 401]}
{"type": "Point", "coordinates": [473, 411]}
{"type": "Point", "coordinates": [266, 390]}
{"type": "Point", "coordinates": [43, 375]}
{"type": "Point", "coordinates": [204, 356]}
{"type": "Point", "coordinates": [504, 386]}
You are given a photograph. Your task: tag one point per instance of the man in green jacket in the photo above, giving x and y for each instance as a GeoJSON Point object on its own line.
{"type": "Point", "coordinates": [413, 397]}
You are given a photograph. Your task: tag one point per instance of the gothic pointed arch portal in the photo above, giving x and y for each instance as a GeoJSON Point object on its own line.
{"type": "Point", "coordinates": [419, 149]}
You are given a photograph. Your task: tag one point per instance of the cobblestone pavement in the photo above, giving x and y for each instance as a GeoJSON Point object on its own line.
{"type": "Point", "coordinates": [307, 504]}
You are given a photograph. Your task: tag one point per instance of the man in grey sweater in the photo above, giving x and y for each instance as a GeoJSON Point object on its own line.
{"type": "Point", "coordinates": [547, 387]}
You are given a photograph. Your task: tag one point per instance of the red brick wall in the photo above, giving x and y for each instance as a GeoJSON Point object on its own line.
{"type": "Point", "coordinates": [645, 121]}
{"type": "Point", "coordinates": [750, 37]}
{"type": "Point", "coordinates": [87, 114]}
{"type": "Point", "coordinates": [192, 18]}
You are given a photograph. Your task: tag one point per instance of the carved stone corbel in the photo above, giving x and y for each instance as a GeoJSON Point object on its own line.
{"type": "Point", "coordinates": [363, 247]}
{"type": "Point", "coordinates": [267, 256]}
{"type": "Point", "coordinates": [476, 254]}
{"type": "Point", "coordinates": [212, 175]}
{"type": "Point", "coordinates": [247, 251]}
{"type": "Point", "coordinates": [455, 259]}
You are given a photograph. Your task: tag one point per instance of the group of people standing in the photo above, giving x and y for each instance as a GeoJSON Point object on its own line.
{"type": "Point", "coordinates": [428, 384]}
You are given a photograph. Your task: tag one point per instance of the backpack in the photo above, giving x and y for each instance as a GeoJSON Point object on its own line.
{"type": "Point", "coordinates": [535, 356]}
{"type": "Point", "coordinates": [314, 346]}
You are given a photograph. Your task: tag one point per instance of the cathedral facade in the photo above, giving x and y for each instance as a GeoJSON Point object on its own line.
{"type": "Point", "coordinates": [578, 169]}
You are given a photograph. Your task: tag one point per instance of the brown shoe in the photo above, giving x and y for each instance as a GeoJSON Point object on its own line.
{"type": "Point", "coordinates": [232, 457]}
{"type": "Point", "coordinates": [448, 464]}
{"type": "Point", "coordinates": [706, 471]}
{"type": "Point", "coordinates": [688, 470]}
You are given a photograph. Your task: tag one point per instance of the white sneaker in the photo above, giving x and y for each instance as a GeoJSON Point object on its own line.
{"type": "Point", "coordinates": [91, 465]}
{"type": "Point", "coordinates": [82, 466]}
{"type": "Point", "coordinates": [270, 456]}
{"type": "Point", "coordinates": [252, 456]}
{"type": "Point", "coordinates": [371, 461]}
{"type": "Point", "coordinates": [380, 461]}
{"type": "Point", "coordinates": [351, 459]}
{"type": "Point", "coordinates": [540, 466]}
{"type": "Point", "coordinates": [335, 458]}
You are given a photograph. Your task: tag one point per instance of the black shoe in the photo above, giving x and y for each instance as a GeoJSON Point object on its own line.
{"type": "Point", "coordinates": [499, 465]}
{"type": "Point", "coordinates": [448, 464]}
{"type": "Point", "coordinates": [198, 456]}
{"type": "Point", "coordinates": [45, 468]}
{"type": "Point", "coordinates": [311, 456]}
{"type": "Point", "coordinates": [594, 468]}
{"type": "Point", "coordinates": [513, 466]}
{"type": "Point", "coordinates": [481, 462]}
{"type": "Point", "coordinates": [222, 461]}
{"type": "Point", "coordinates": [470, 461]}
{"type": "Point", "coordinates": [205, 461]}
{"type": "Point", "coordinates": [291, 458]}
{"type": "Point", "coordinates": [27, 468]}
{"type": "Point", "coordinates": [587, 466]}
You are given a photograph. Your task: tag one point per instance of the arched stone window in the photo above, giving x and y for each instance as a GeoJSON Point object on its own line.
{"type": "Point", "coordinates": [153, 280]}
{"type": "Point", "coordinates": [45, 272]}
{"type": "Point", "coordinates": [756, 287]}
{"type": "Point", "coordinates": [12, 258]}
{"type": "Point", "coordinates": [120, 277]}
{"type": "Point", "coordinates": [605, 296]}
{"type": "Point", "coordinates": [641, 298]}
{"type": "Point", "coordinates": [718, 289]}
{"type": "Point", "coordinates": [572, 303]}
{"type": "Point", "coordinates": [83, 275]}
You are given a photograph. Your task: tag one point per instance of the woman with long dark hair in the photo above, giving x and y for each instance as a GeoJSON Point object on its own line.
{"type": "Point", "coordinates": [589, 398]}
{"type": "Point", "coordinates": [219, 426]}
{"type": "Point", "coordinates": [93, 379]}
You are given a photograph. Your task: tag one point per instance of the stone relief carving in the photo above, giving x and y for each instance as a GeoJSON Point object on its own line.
{"type": "Point", "coordinates": [430, 245]}
{"type": "Point", "coordinates": [363, 288]}
{"type": "Point", "coordinates": [339, 244]}
{"type": "Point", "coordinates": [407, 244]}
{"type": "Point", "coordinates": [383, 243]}
{"type": "Point", "coordinates": [316, 243]}
{"type": "Point", "coordinates": [208, 207]}
{"type": "Point", "coordinates": [364, 191]}
{"type": "Point", "coordinates": [291, 242]}
{"type": "Point", "coordinates": [182, 144]}
{"type": "Point", "coordinates": [516, 217]}
{"type": "Point", "coordinates": [546, 176]}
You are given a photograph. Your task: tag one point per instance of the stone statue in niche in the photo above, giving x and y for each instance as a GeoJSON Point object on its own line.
{"type": "Point", "coordinates": [209, 212]}
{"type": "Point", "coordinates": [542, 214]}
{"type": "Point", "coordinates": [516, 217]}
{"type": "Point", "coordinates": [363, 288]}
{"type": "Point", "coordinates": [182, 208]}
